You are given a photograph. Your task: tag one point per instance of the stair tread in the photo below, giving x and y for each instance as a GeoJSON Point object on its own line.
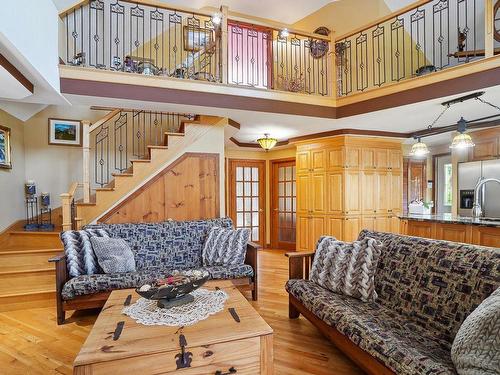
{"type": "Point", "coordinates": [15, 270]}
{"type": "Point", "coordinates": [28, 233]}
{"type": "Point", "coordinates": [122, 174]}
{"type": "Point", "coordinates": [105, 189]}
{"type": "Point", "coordinates": [44, 290]}
{"type": "Point", "coordinates": [85, 204]}
{"type": "Point", "coordinates": [140, 160]}
{"type": "Point", "coordinates": [29, 251]}
{"type": "Point", "coordinates": [175, 134]}
{"type": "Point", "coordinates": [159, 147]}
{"type": "Point", "coordinates": [21, 283]}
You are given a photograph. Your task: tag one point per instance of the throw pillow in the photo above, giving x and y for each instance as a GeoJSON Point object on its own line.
{"type": "Point", "coordinates": [476, 347]}
{"type": "Point", "coordinates": [347, 268]}
{"type": "Point", "coordinates": [113, 254]}
{"type": "Point", "coordinates": [80, 258]}
{"type": "Point", "coordinates": [225, 246]}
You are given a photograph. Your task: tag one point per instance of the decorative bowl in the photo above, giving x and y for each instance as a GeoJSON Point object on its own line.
{"type": "Point", "coordinates": [174, 290]}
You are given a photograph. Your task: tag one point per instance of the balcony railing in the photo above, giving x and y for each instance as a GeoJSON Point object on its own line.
{"type": "Point", "coordinates": [425, 37]}
{"type": "Point", "coordinates": [123, 35]}
{"type": "Point", "coordinates": [144, 37]}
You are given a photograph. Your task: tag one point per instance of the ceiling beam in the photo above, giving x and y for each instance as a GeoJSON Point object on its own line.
{"type": "Point", "coordinates": [14, 72]}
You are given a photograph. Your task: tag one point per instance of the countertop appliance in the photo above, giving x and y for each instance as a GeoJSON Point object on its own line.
{"type": "Point", "coordinates": [469, 174]}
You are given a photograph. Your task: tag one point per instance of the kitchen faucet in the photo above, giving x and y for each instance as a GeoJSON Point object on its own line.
{"type": "Point", "coordinates": [477, 210]}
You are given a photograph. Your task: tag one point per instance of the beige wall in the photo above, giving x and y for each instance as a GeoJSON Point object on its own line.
{"type": "Point", "coordinates": [54, 168]}
{"type": "Point", "coordinates": [12, 180]}
{"type": "Point", "coordinates": [344, 15]}
{"type": "Point", "coordinates": [267, 156]}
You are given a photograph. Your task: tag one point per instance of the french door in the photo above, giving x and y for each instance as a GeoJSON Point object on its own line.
{"type": "Point", "coordinates": [283, 204]}
{"type": "Point", "coordinates": [247, 198]}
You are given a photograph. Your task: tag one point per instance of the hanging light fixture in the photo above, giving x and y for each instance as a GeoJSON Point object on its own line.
{"type": "Point", "coordinates": [284, 33]}
{"type": "Point", "coordinates": [267, 143]}
{"type": "Point", "coordinates": [217, 18]}
{"type": "Point", "coordinates": [419, 149]}
{"type": "Point", "coordinates": [462, 140]}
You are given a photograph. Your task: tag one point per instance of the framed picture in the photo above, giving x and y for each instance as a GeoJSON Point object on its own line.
{"type": "Point", "coordinates": [65, 132]}
{"type": "Point", "coordinates": [5, 161]}
{"type": "Point", "coordinates": [196, 39]}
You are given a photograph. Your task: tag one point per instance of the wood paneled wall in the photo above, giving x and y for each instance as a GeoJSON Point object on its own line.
{"type": "Point", "coordinates": [188, 189]}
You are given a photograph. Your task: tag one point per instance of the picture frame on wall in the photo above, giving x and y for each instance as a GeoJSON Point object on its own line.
{"type": "Point", "coordinates": [5, 148]}
{"type": "Point", "coordinates": [196, 38]}
{"type": "Point", "coordinates": [65, 132]}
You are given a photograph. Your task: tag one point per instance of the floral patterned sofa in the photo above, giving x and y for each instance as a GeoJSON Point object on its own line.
{"type": "Point", "coordinates": [426, 288]}
{"type": "Point", "coordinates": [158, 249]}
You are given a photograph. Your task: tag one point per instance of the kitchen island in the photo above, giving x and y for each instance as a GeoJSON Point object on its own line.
{"type": "Point", "coordinates": [478, 231]}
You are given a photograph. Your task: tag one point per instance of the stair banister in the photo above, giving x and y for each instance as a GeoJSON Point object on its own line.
{"type": "Point", "coordinates": [224, 49]}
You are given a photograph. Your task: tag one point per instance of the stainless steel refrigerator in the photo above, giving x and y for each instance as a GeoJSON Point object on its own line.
{"type": "Point", "coordinates": [469, 174]}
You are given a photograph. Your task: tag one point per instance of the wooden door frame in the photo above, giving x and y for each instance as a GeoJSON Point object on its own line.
{"type": "Point", "coordinates": [231, 192]}
{"type": "Point", "coordinates": [272, 203]}
{"type": "Point", "coordinates": [434, 178]}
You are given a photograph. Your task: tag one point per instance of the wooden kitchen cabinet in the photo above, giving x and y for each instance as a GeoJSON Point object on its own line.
{"type": "Point", "coordinates": [309, 229]}
{"type": "Point", "coordinates": [368, 222]}
{"type": "Point", "coordinates": [485, 149]}
{"type": "Point", "coordinates": [303, 193]}
{"type": "Point", "coordinates": [395, 159]}
{"type": "Point", "coordinates": [352, 157]}
{"type": "Point", "coordinates": [368, 158]}
{"type": "Point", "coordinates": [303, 161]}
{"type": "Point", "coordinates": [335, 158]}
{"type": "Point", "coordinates": [486, 236]}
{"type": "Point", "coordinates": [369, 192]}
{"type": "Point", "coordinates": [395, 192]}
{"type": "Point", "coordinates": [318, 193]}
{"type": "Point", "coordinates": [420, 229]}
{"type": "Point", "coordinates": [335, 188]}
{"type": "Point", "coordinates": [352, 192]}
{"type": "Point", "coordinates": [335, 227]}
{"type": "Point", "coordinates": [383, 192]}
{"type": "Point", "coordinates": [318, 160]}
{"type": "Point", "coordinates": [352, 227]}
{"type": "Point", "coordinates": [451, 232]}
{"type": "Point", "coordinates": [381, 158]}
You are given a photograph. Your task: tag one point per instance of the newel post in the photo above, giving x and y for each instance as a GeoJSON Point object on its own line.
{"type": "Point", "coordinates": [86, 160]}
{"type": "Point", "coordinates": [488, 28]}
{"type": "Point", "coordinates": [66, 211]}
{"type": "Point", "coordinates": [223, 50]}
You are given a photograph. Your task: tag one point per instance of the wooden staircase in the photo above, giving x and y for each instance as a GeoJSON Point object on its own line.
{"type": "Point", "coordinates": [27, 279]}
{"type": "Point", "coordinates": [159, 156]}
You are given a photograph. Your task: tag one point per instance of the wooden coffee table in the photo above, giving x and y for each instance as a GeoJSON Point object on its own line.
{"type": "Point", "coordinates": [219, 345]}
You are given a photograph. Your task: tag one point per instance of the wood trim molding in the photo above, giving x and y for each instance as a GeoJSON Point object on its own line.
{"type": "Point", "coordinates": [331, 133]}
{"type": "Point", "coordinates": [254, 145]}
{"type": "Point", "coordinates": [159, 175]}
{"type": "Point", "coordinates": [14, 72]}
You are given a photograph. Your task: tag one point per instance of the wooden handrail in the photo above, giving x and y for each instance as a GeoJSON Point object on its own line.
{"type": "Point", "coordinates": [72, 189]}
{"type": "Point", "coordinates": [109, 116]}
{"type": "Point", "coordinates": [235, 17]}
{"type": "Point", "coordinates": [399, 12]}
{"type": "Point", "coordinates": [151, 3]}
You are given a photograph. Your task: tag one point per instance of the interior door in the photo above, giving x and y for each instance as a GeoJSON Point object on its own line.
{"type": "Point", "coordinates": [247, 198]}
{"type": "Point", "coordinates": [283, 204]}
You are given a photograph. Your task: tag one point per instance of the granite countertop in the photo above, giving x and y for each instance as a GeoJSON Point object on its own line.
{"type": "Point", "coordinates": [453, 219]}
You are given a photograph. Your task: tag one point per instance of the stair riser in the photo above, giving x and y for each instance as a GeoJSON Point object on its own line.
{"type": "Point", "coordinates": [154, 153]}
{"type": "Point", "coordinates": [25, 282]}
{"type": "Point", "coordinates": [31, 241]}
{"type": "Point", "coordinates": [11, 303]}
{"type": "Point", "coordinates": [29, 260]}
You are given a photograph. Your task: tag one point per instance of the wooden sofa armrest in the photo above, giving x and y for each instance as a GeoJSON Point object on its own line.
{"type": "Point", "coordinates": [62, 277]}
{"type": "Point", "coordinates": [251, 259]}
{"type": "Point", "coordinates": [299, 264]}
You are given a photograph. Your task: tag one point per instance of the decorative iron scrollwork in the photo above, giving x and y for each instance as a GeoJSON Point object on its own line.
{"type": "Point", "coordinates": [230, 371]}
{"type": "Point", "coordinates": [184, 358]}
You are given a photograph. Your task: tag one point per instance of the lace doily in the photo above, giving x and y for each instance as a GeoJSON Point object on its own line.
{"type": "Point", "coordinates": [205, 303]}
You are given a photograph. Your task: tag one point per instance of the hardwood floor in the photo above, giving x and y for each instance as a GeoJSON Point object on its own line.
{"type": "Point", "coordinates": [32, 343]}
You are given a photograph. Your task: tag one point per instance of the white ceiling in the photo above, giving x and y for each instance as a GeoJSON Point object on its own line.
{"type": "Point", "coordinates": [404, 119]}
{"type": "Point", "coordinates": [285, 11]}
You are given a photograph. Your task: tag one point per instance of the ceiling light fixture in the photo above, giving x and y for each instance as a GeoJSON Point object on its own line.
{"type": "Point", "coordinates": [284, 33]}
{"type": "Point", "coordinates": [267, 143]}
{"type": "Point", "coordinates": [462, 140]}
{"type": "Point", "coordinates": [217, 18]}
{"type": "Point", "coordinates": [419, 149]}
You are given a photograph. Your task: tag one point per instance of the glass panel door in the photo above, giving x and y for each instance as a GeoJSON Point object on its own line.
{"type": "Point", "coordinates": [284, 204]}
{"type": "Point", "coordinates": [246, 196]}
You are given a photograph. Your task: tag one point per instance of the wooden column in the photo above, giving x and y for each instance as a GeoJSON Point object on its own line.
{"type": "Point", "coordinates": [224, 55]}
{"type": "Point", "coordinates": [66, 211]}
{"type": "Point", "coordinates": [488, 28]}
{"type": "Point", "coordinates": [333, 66]}
{"type": "Point", "coordinates": [86, 160]}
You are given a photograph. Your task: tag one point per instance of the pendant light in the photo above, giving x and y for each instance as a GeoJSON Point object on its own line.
{"type": "Point", "coordinates": [267, 143]}
{"type": "Point", "coordinates": [419, 149]}
{"type": "Point", "coordinates": [462, 140]}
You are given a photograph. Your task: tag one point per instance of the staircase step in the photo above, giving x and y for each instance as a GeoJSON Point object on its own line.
{"type": "Point", "coordinates": [140, 161]}
{"type": "Point", "coordinates": [30, 240]}
{"type": "Point", "coordinates": [175, 134]}
{"type": "Point", "coordinates": [27, 259]}
{"type": "Point", "coordinates": [122, 174]}
{"type": "Point", "coordinates": [13, 284]}
{"type": "Point", "coordinates": [158, 147]}
{"type": "Point", "coordinates": [26, 300]}
{"type": "Point", "coordinates": [105, 189]}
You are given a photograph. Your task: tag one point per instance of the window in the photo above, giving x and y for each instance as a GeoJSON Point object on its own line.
{"type": "Point", "coordinates": [447, 185]}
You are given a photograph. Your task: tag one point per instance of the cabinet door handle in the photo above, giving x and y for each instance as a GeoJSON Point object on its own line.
{"type": "Point", "coordinates": [347, 212]}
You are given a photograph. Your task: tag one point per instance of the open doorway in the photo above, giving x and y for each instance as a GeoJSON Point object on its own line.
{"type": "Point", "coordinates": [443, 183]}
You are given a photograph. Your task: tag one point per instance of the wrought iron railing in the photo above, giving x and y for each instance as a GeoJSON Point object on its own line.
{"type": "Point", "coordinates": [126, 136]}
{"type": "Point", "coordinates": [122, 35]}
{"type": "Point", "coordinates": [427, 37]}
{"type": "Point", "coordinates": [265, 57]}
{"type": "Point", "coordinates": [126, 36]}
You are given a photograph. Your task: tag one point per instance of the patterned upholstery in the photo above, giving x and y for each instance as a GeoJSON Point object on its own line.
{"type": "Point", "coordinates": [170, 244]}
{"type": "Point", "coordinates": [80, 258]}
{"type": "Point", "coordinates": [435, 283]}
{"type": "Point", "coordinates": [347, 268]}
{"type": "Point", "coordinates": [426, 288]}
{"type": "Point", "coordinates": [225, 246]}
{"type": "Point", "coordinates": [403, 346]}
{"type": "Point", "coordinates": [89, 284]}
